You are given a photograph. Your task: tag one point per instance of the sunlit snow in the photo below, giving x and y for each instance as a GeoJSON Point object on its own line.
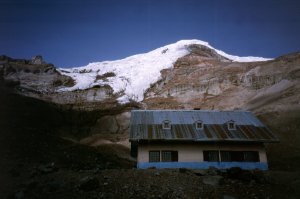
{"type": "Point", "coordinates": [134, 74]}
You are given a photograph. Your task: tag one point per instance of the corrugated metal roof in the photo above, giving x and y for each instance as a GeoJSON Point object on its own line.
{"type": "Point", "coordinates": [190, 116]}
{"type": "Point", "coordinates": [147, 125]}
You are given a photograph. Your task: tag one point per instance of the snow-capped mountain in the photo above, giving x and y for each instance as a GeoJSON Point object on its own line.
{"type": "Point", "coordinates": [37, 117]}
{"type": "Point", "coordinates": [132, 76]}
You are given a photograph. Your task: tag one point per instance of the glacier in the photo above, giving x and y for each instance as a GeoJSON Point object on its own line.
{"type": "Point", "coordinates": [134, 75]}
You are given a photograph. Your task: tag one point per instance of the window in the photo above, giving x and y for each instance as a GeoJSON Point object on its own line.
{"type": "Point", "coordinates": [199, 125]}
{"type": "Point", "coordinates": [225, 156]}
{"type": "Point", "coordinates": [231, 125]}
{"type": "Point", "coordinates": [239, 156]}
{"type": "Point", "coordinates": [166, 156]}
{"type": "Point", "coordinates": [211, 156]}
{"type": "Point", "coordinates": [154, 156]}
{"type": "Point", "coordinates": [166, 125]}
{"type": "Point", "coordinates": [169, 156]}
{"type": "Point", "coordinates": [251, 156]}
{"type": "Point", "coordinates": [231, 156]}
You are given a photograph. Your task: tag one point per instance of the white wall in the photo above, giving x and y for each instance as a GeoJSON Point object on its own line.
{"type": "Point", "coordinates": [194, 152]}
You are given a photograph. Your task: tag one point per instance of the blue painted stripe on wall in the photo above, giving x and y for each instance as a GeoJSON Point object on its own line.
{"type": "Point", "coordinates": [204, 165]}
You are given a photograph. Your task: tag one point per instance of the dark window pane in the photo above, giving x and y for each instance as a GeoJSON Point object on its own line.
{"type": "Point", "coordinates": [199, 125]}
{"type": "Point", "coordinates": [239, 156]}
{"type": "Point", "coordinates": [231, 126]}
{"type": "Point", "coordinates": [169, 156]}
{"type": "Point", "coordinates": [225, 156]}
{"type": "Point", "coordinates": [154, 156]}
{"type": "Point", "coordinates": [166, 125]}
{"type": "Point", "coordinates": [166, 156]}
{"type": "Point", "coordinates": [174, 156]}
{"type": "Point", "coordinates": [251, 156]}
{"type": "Point", "coordinates": [211, 156]}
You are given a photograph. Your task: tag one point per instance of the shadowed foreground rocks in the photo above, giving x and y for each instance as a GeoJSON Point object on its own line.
{"type": "Point", "coordinates": [151, 183]}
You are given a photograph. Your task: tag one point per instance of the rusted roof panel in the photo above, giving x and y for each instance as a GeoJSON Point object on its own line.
{"type": "Point", "coordinates": [206, 132]}
{"type": "Point", "coordinates": [147, 125]}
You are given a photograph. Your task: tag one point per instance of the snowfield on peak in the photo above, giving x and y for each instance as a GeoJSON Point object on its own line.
{"type": "Point", "coordinates": [133, 75]}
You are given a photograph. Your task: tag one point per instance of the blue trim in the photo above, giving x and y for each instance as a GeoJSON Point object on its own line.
{"type": "Point", "coordinates": [204, 165]}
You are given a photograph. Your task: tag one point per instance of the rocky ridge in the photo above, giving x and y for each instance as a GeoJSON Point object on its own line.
{"type": "Point", "coordinates": [202, 79]}
{"type": "Point", "coordinates": [206, 82]}
{"type": "Point", "coordinates": [45, 132]}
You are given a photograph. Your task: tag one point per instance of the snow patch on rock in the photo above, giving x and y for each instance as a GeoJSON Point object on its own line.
{"type": "Point", "coordinates": [135, 74]}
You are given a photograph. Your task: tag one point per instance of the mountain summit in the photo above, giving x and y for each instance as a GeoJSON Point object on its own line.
{"type": "Point", "coordinates": [132, 76]}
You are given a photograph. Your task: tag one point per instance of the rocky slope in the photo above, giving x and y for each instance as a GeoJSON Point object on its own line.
{"type": "Point", "coordinates": [208, 82]}
{"type": "Point", "coordinates": [189, 74]}
{"type": "Point", "coordinates": [44, 111]}
{"type": "Point", "coordinates": [186, 75]}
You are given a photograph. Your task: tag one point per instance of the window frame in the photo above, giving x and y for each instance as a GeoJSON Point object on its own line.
{"type": "Point", "coordinates": [197, 123]}
{"type": "Point", "coordinates": [151, 157]}
{"type": "Point", "coordinates": [254, 156]}
{"type": "Point", "coordinates": [166, 124]}
{"type": "Point", "coordinates": [239, 156]}
{"type": "Point", "coordinates": [173, 156]}
{"type": "Point", "coordinates": [229, 125]}
{"type": "Point", "coordinates": [207, 154]}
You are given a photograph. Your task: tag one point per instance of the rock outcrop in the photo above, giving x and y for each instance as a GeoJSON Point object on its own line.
{"type": "Point", "coordinates": [32, 75]}
{"type": "Point", "coordinates": [208, 81]}
{"type": "Point", "coordinates": [203, 79]}
{"type": "Point", "coordinates": [41, 80]}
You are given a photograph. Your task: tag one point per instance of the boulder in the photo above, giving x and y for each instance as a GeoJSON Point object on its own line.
{"type": "Point", "coordinates": [123, 120]}
{"type": "Point", "coordinates": [106, 124]}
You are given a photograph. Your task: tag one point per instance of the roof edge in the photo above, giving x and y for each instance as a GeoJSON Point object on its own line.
{"type": "Point", "coordinates": [186, 110]}
{"type": "Point", "coordinates": [204, 141]}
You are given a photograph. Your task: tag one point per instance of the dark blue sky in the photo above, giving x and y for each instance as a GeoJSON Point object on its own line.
{"type": "Point", "coordinates": [76, 32]}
